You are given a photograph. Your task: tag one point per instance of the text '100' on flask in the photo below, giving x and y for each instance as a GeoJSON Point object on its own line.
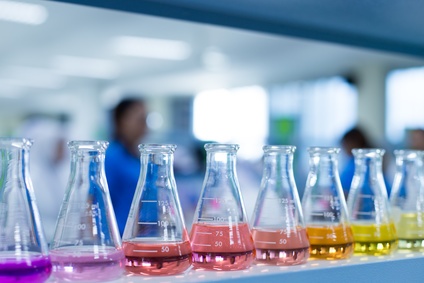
{"type": "Point", "coordinates": [155, 239]}
{"type": "Point", "coordinates": [220, 235]}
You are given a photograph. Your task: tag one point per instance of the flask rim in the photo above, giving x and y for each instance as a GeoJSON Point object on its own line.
{"type": "Point", "coordinates": [156, 147]}
{"type": "Point", "coordinates": [279, 148]}
{"type": "Point", "coordinates": [408, 153]}
{"type": "Point", "coordinates": [222, 147]}
{"type": "Point", "coordinates": [15, 142]}
{"type": "Point", "coordinates": [313, 150]}
{"type": "Point", "coordinates": [368, 152]}
{"type": "Point", "coordinates": [88, 145]}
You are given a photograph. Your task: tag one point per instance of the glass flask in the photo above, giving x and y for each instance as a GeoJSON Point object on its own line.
{"type": "Point", "coordinates": [23, 248]}
{"type": "Point", "coordinates": [324, 207]}
{"type": "Point", "coordinates": [372, 225]}
{"type": "Point", "coordinates": [220, 234]}
{"type": "Point", "coordinates": [279, 240]}
{"type": "Point", "coordinates": [155, 239]}
{"type": "Point", "coordinates": [407, 199]}
{"type": "Point", "coordinates": [86, 245]}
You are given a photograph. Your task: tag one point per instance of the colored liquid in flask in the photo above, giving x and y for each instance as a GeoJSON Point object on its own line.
{"type": "Point", "coordinates": [222, 247]}
{"type": "Point", "coordinates": [372, 239]}
{"type": "Point", "coordinates": [35, 269]}
{"type": "Point", "coordinates": [281, 247]}
{"type": "Point", "coordinates": [71, 263]}
{"type": "Point", "coordinates": [152, 258]}
{"type": "Point", "coordinates": [330, 242]}
{"type": "Point", "coordinates": [410, 229]}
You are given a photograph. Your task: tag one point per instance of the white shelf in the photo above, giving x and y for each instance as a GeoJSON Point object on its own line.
{"type": "Point", "coordinates": [399, 267]}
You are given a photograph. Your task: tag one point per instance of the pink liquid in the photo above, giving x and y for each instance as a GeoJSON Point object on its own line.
{"type": "Point", "coordinates": [34, 269]}
{"type": "Point", "coordinates": [73, 264]}
{"type": "Point", "coordinates": [219, 247]}
{"type": "Point", "coordinates": [157, 259]}
{"type": "Point", "coordinates": [281, 247]}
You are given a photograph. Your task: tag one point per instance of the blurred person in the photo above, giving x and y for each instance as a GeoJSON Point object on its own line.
{"type": "Point", "coordinates": [353, 138]}
{"type": "Point", "coordinates": [122, 162]}
{"type": "Point", "coordinates": [49, 166]}
{"type": "Point", "coordinates": [416, 139]}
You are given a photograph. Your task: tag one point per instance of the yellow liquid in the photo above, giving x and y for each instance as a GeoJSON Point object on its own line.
{"type": "Point", "coordinates": [330, 242]}
{"type": "Point", "coordinates": [372, 239]}
{"type": "Point", "coordinates": [411, 231]}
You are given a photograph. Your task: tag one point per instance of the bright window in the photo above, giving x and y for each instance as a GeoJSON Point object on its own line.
{"type": "Point", "coordinates": [238, 115]}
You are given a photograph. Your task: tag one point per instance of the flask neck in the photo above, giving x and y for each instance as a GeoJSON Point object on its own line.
{"type": "Point", "coordinates": [87, 164]}
{"type": "Point", "coordinates": [221, 161]}
{"type": "Point", "coordinates": [278, 164]}
{"type": "Point", "coordinates": [14, 165]}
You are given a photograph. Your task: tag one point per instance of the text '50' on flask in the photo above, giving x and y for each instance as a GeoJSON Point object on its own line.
{"type": "Point", "coordinates": [373, 227]}
{"type": "Point", "coordinates": [278, 229]}
{"type": "Point", "coordinates": [23, 248]}
{"type": "Point", "coordinates": [324, 207]}
{"type": "Point", "coordinates": [155, 239]}
{"type": "Point", "coordinates": [407, 199]}
{"type": "Point", "coordinates": [86, 245]}
{"type": "Point", "coordinates": [220, 234]}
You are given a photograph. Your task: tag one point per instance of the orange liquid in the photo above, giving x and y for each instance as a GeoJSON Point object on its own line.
{"type": "Point", "coordinates": [166, 258]}
{"type": "Point", "coordinates": [281, 247]}
{"type": "Point", "coordinates": [220, 247]}
{"type": "Point", "coordinates": [330, 242]}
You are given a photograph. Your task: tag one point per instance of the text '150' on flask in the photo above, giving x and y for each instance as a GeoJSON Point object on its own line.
{"type": "Point", "coordinates": [23, 248]}
{"type": "Point", "coordinates": [155, 239]}
{"type": "Point", "coordinates": [86, 245]}
{"type": "Point", "coordinates": [278, 229]}
{"type": "Point", "coordinates": [220, 235]}
{"type": "Point", "coordinates": [324, 207]}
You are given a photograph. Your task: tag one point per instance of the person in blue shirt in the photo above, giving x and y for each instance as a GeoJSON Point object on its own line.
{"type": "Point", "coordinates": [122, 162]}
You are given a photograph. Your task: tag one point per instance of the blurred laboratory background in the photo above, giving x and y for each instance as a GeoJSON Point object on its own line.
{"type": "Point", "coordinates": [63, 67]}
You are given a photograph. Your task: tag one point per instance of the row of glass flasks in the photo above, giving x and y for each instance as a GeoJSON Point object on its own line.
{"type": "Point", "coordinates": [87, 245]}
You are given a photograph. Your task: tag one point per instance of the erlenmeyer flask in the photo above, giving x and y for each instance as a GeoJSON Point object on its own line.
{"type": "Point", "coordinates": [324, 207]}
{"type": "Point", "coordinates": [23, 248]}
{"type": "Point", "coordinates": [373, 228]}
{"type": "Point", "coordinates": [407, 199]}
{"type": "Point", "coordinates": [278, 229]}
{"type": "Point", "coordinates": [220, 234]}
{"type": "Point", "coordinates": [86, 245]}
{"type": "Point", "coordinates": [155, 239]}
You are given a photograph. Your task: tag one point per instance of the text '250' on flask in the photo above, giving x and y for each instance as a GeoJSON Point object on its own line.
{"type": "Point", "coordinates": [220, 235]}
{"type": "Point", "coordinates": [155, 239]}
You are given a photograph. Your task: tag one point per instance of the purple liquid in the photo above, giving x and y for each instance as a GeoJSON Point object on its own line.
{"type": "Point", "coordinates": [71, 264]}
{"type": "Point", "coordinates": [34, 269]}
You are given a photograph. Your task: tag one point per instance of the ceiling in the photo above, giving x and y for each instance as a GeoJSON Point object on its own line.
{"type": "Point", "coordinates": [43, 63]}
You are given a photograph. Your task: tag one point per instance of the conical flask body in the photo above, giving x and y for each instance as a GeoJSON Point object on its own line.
{"type": "Point", "coordinates": [220, 234]}
{"type": "Point", "coordinates": [407, 199]}
{"type": "Point", "coordinates": [370, 214]}
{"type": "Point", "coordinates": [86, 245]}
{"type": "Point", "coordinates": [324, 207]}
{"type": "Point", "coordinates": [155, 239]}
{"type": "Point", "coordinates": [23, 248]}
{"type": "Point", "coordinates": [278, 229]}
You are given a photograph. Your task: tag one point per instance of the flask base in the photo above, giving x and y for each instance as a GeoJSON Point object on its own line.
{"type": "Point", "coordinates": [331, 252]}
{"type": "Point", "coordinates": [375, 248]}
{"type": "Point", "coordinates": [411, 244]}
{"type": "Point", "coordinates": [223, 261]}
{"type": "Point", "coordinates": [158, 265]}
{"type": "Point", "coordinates": [282, 257]}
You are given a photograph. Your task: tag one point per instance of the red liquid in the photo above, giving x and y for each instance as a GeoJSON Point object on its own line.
{"type": "Point", "coordinates": [222, 247]}
{"type": "Point", "coordinates": [34, 269]}
{"type": "Point", "coordinates": [281, 247]}
{"type": "Point", "coordinates": [167, 258]}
